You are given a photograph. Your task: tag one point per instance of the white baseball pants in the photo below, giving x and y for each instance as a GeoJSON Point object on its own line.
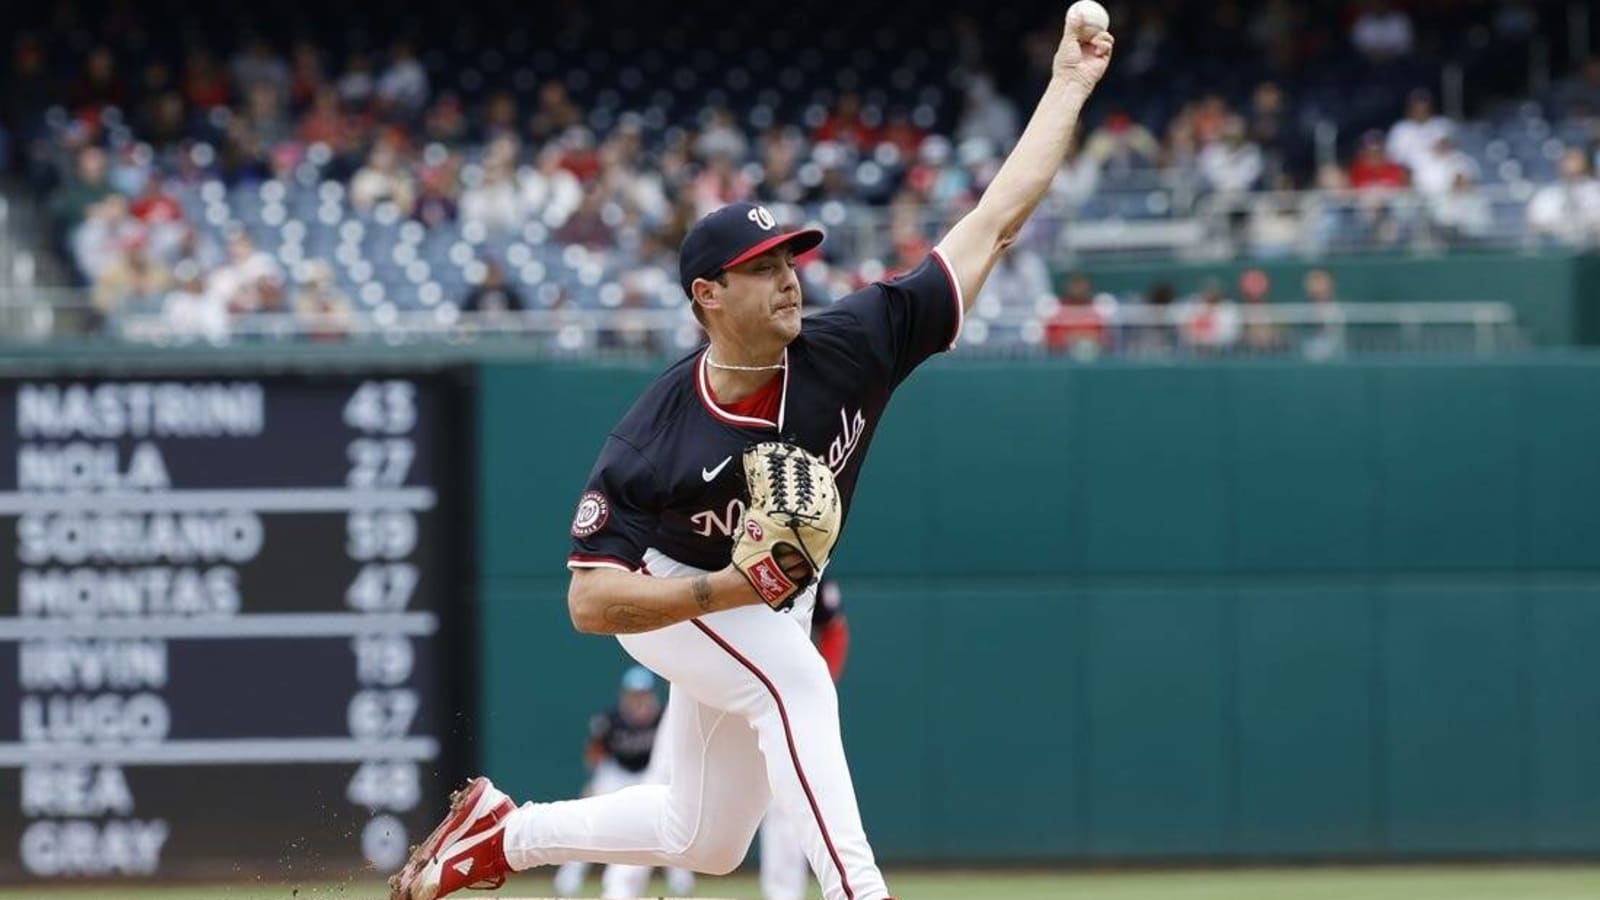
{"type": "Point", "coordinates": [785, 873]}
{"type": "Point", "coordinates": [619, 881]}
{"type": "Point", "coordinates": [752, 719]}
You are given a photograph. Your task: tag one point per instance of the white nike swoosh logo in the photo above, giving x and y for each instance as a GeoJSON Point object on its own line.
{"type": "Point", "coordinates": [709, 474]}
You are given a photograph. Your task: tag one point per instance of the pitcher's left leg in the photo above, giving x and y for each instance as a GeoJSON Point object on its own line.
{"type": "Point", "coordinates": [790, 700]}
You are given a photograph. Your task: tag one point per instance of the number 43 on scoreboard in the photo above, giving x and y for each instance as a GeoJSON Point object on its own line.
{"type": "Point", "coordinates": [382, 407]}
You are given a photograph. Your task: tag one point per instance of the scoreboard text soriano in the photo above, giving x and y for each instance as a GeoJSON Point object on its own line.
{"type": "Point", "coordinates": [222, 622]}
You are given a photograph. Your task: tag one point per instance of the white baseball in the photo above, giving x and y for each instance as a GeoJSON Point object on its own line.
{"type": "Point", "coordinates": [1087, 18]}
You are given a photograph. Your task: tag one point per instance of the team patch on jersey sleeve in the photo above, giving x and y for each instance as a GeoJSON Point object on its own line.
{"type": "Point", "coordinates": [593, 511]}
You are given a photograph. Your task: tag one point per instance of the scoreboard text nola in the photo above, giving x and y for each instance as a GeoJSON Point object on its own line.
{"type": "Point", "coordinates": [225, 619]}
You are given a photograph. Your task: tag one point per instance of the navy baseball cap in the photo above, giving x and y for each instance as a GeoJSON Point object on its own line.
{"type": "Point", "coordinates": [731, 235]}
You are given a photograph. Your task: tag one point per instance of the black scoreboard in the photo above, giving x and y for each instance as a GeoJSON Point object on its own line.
{"type": "Point", "coordinates": [231, 623]}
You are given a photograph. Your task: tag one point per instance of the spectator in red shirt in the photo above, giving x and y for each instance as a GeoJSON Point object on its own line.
{"type": "Point", "coordinates": [903, 134]}
{"type": "Point", "coordinates": [847, 124]}
{"type": "Point", "coordinates": [99, 86]}
{"type": "Point", "coordinates": [1373, 168]}
{"type": "Point", "coordinates": [306, 75]}
{"type": "Point", "coordinates": [719, 183]}
{"type": "Point", "coordinates": [204, 84]}
{"type": "Point", "coordinates": [1376, 175]}
{"type": "Point", "coordinates": [324, 122]}
{"type": "Point", "coordinates": [588, 224]}
{"type": "Point", "coordinates": [1211, 118]}
{"type": "Point", "coordinates": [446, 120]}
{"type": "Point", "coordinates": [579, 153]}
{"type": "Point", "coordinates": [910, 249]}
{"type": "Point", "coordinates": [1261, 334]}
{"type": "Point", "coordinates": [1076, 327]}
{"type": "Point", "coordinates": [154, 206]}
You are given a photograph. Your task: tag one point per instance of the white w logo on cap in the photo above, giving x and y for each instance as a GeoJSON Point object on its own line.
{"type": "Point", "coordinates": [762, 218]}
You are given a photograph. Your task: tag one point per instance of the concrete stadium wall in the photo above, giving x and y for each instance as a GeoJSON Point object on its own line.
{"type": "Point", "coordinates": [1234, 610]}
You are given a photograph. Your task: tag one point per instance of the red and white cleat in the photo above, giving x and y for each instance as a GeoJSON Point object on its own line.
{"type": "Point", "coordinates": [465, 851]}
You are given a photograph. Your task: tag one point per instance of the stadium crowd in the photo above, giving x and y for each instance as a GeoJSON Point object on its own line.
{"type": "Point", "coordinates": [121, 133]}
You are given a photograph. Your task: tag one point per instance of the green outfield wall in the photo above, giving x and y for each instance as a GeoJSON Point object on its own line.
{"type": "Point", "coordinates": [1234, 610]}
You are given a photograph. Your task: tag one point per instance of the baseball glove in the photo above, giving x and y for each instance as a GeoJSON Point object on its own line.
{"type": "Point", "coordinates": [791, 524]}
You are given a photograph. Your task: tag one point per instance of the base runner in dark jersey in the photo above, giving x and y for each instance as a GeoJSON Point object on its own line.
{"type": "Point", "coordinates": [752, 716]}
{"type": "Point", "coordinates": [619, 754]}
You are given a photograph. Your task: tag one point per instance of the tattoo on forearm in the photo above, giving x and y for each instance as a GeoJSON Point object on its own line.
{"type": "Point", "coordinates": [702, 592]}
{"type": "Point", "coordinates": [630, 619]}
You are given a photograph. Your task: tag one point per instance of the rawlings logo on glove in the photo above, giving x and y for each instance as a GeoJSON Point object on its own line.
{"type": "Point", "coordinates": [791, 523]}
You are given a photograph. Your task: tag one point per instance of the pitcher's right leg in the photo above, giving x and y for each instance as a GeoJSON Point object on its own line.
{"type": "Point", "coordinates": [703, 819]}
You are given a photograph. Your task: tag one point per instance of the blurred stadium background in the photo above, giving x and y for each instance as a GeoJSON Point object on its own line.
{"type": "Point", "coordinates": [1253, 528]}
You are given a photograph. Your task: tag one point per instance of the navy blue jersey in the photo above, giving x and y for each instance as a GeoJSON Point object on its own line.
{"type": "Point", "coordinates": [629, 743]}
{"type": "Point", "coordinates": [669, 476]}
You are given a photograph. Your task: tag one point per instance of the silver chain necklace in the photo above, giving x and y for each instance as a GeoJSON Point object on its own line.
{"type": "Point", "coordinates": [716, 365]}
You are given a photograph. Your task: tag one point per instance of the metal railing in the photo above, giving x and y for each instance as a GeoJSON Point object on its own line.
{"type": "Point", "coordinates": [1311, 331]}
{"type": "Point", "coordinates": [1107, 328]}
{"type": "Point", "coordinates": [1173, 217]}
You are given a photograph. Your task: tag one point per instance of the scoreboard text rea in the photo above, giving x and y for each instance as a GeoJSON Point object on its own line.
{"type": "Point", "coordinates": [227, 615]}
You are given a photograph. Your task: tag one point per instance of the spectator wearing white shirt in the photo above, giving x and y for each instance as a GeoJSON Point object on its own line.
{"type": "Point", "coordinates": [249, 282]}
{"type": "Point", "coordinates": [1209, 322]}
{"type": "Point", "coordinates": [1327, 338]}
{"type": "Point", "coordinates": [259, 65]}
{"type": "Point", "coordinates": [1231, 167]}
{"type": "Point", "coordinates": [1382, 32]}
{"type": "Point", "coordinates": [106, 228]}
{"type": "Point", "coordinates": [132, 281]}
{"type": "Point", "coordinates": [356, 84]}
{"type": "Point", "coordinates": [1413, 136]}
{"type": "Point", "coordinates": [191, 311]}
{"type": "Point", "coordinates": [1436, 172]}
{"type": "Point", "coordinates": [383, 179]}
{"type": "Point", "coordinates": [721, 136]}
{"type": "Point", "coordinates": [1232, 164]}
{"type": "Point", "coordinates": [403, 86]}
{"type": "Point", "coordinates": [988, 114]}
{"type": "Point", "coordinates": [1075, 182]}
{"type": "Point", "coordinates": [322, 311]}
{"type": "Point", "coordinates": [493, 197]}
{"type": "Point", "coordinates": [1462, 214]}
{"type": "Point", "coordinates": [1568, 212]}
{"type": "Point", "coordinates": [638, 189]}
{"type": "Point", "coordinates": [549, 190]}
{"type": "Point", "coordinates": [1121, 144]}
{"type": "Point", "coordinates": [1020, 279]}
